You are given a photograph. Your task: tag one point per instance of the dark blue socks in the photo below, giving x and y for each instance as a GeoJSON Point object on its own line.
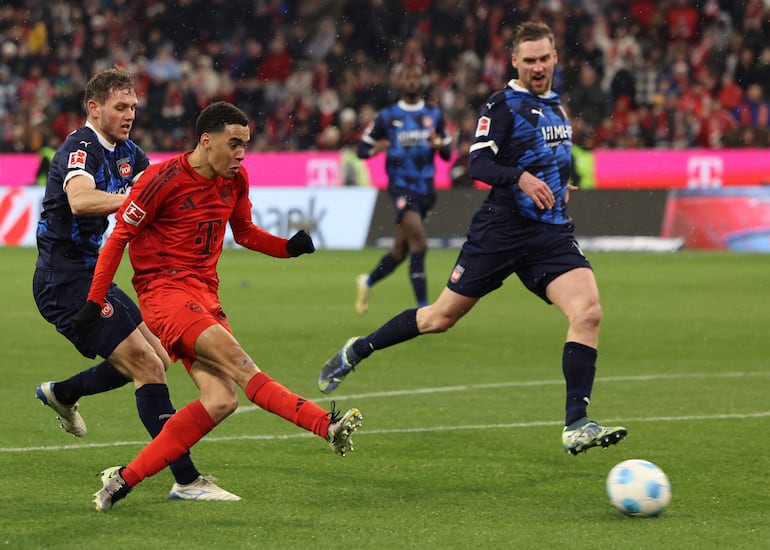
{"type": "Point", "coordinates": [418, 278]}
{"type": "Point", "coordinates": [386, 266]}
{"type": "Point", "coordinates": [579, 367]}
{"type": "Point", "coordinates": [98, 379]}
{"type": "Point", "coordinates": [154, 406]}
{"type": "Point", "coordinates": [399, 329]}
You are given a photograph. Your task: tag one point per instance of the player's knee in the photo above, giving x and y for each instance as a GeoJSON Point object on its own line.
{"type": "Point", "coordinates": [226, 406]}
{"type": "Point", "coordinates": [220, 405]}
{"type": "Point", "coordinates": [398, 255]}
{"type": "Point", "coordinates": [590, 318]}
{"type": "Point", "coordinates": [146, 367]}
{"type": "Point", "coordinates": [434, 323]}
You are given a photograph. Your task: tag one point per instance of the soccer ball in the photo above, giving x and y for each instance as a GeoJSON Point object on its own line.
{"type": "Point", "coordinates": [638, 488]}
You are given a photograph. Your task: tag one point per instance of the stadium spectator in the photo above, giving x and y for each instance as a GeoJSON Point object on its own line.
{"type": "Point", "coordinates": [587, 100]}
{"type": "Point", "coordinates": [9, 105]}
{"type": "Point", "coordinates": [182, 207]}
{"type": "Point", "coordinates": [753, 110]}
{"type": "Point", "coordinates": [164, 66]}
{"type": "Point", "coordinates": [523, 228]}
{"type": "Point", "coordinates": [682, 21]}
{"type": "Point", "coordinates": [410, 132]}
{"type": "Point", "coordinates": [670, 128]}
{"type": "Point", "coordinates": [88, 179]}
{"type": "Point", "coordinates": [369, 33]}
{"type": "Point", "coordinates": [350, 132]}
{"type": "Point", "coordinates": [646, 78]}
{"type": "Point", "coordinates": [714, 123]}
{"type": "Point", "coordinates": [729, 94]}
{"type": "Point", "coordinates": [321, 43]}
{"type": "Point", "coordinates": [277, 64]}
{"type": "Point", "coordinates": [746, 71]}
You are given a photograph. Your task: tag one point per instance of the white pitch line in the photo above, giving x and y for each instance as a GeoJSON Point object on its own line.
{"type": "Point", "coordinates": [426, 429]}
{"type": "Point", "coordinates": [422, 391]}
{"type": "Point", "coordinates": [521, 384]}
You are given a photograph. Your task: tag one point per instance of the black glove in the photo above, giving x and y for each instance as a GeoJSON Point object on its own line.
{"type": "Point", "coordinates": [300, 243]}
{"type": "Point", "coordinates": [86, 318]}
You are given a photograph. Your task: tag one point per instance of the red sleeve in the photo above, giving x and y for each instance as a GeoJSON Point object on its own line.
{"type": "Point", "coordinates": [251, 236]}
{"type": "Point", "coordinates": [130, 218]}
{"type": "Point", "coordinates": [107, 266]}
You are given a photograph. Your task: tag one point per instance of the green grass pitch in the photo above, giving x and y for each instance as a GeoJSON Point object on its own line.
{"type": "Point", "coordinates": [460, 446]}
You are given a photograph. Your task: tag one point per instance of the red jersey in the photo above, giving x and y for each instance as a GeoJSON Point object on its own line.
{"type": "Point", "coordinates": [175, 220]}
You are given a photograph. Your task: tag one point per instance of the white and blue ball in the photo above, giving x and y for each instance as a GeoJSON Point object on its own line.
{"type": "Point", "coordinates": [638, 488]}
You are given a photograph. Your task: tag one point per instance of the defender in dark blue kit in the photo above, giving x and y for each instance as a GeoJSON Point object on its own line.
{"type": "Point", "coordinates": [411, 131]}
{"type": "Point", "coordinates": [522, 149]}
{"type": "Point", "coordinates": [89, 178]}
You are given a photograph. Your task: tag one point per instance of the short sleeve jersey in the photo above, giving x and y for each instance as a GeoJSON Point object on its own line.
{"type": "Point", "coordinates": [67, 242]}
{"type": "Point", "coordinates": [410, 159]}
{"type": "Point", "coordinates": [530, 133]}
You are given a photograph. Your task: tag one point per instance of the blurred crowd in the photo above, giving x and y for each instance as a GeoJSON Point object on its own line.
{"type": "Point", "coordinates": [312, 73]}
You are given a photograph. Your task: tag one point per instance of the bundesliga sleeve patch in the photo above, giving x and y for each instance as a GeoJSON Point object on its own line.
{"type": "Point", "coordinates": [133, 214]}
{"type": "Point", "coordinates": [482, 127]}
{"type": "Point", "coordinates": [457, 273]}
{"type": "Point", "coordinates": [77, 159]}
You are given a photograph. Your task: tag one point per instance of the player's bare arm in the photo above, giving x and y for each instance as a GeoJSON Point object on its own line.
{"type": "Point", "coordinates": [86, 200]}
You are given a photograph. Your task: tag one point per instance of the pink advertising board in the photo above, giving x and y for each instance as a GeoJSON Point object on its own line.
{"type": "Point", "coordinates": [633, 169]}
{"type": "Point", "coordinates": [690, 169]}
{"type": "Point", "coordinates": [317, 169]}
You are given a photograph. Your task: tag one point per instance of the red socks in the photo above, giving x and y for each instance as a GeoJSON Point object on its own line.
{"type": "Point", "coordinates": [183, 430]}
{"type": "Point", "coordinates": [268, 394]}
{"type": "Point", "coordinates": [188, 426]}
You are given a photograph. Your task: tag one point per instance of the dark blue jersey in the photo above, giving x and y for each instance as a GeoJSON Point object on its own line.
{"type": "Point", "coordinates": [516, 132]}
{"type": "Point", "coordinates": [409, 160]}
{"type": "Point", "coordinates": [67, 242]}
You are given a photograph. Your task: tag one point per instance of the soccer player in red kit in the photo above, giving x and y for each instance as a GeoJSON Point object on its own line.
{"type": "Point", "coordinates": [175, 219]}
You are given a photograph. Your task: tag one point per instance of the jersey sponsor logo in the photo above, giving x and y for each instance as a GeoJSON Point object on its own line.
{"type": "Point", "coordinates": [124, 168]}
{"type": "Point", "coordinates": [537, 112]}
{"type": "Point", "coordinates": [482, 127]}
{"type": "Point", "coordinates": [398, 123]}
{"type": "Point", "coordinates": [107, 310]}
{"type": "Point", "coordinates": [77, 159]}
{"type": "Point", "coordinates": [410, 138]}
{"type": "Point", "coordinates": [133, 214]}
{"type": "Point", "coordinates": [457, 272]}
{"type": "Point", "coordinates": [85, 143]}
{"type": "Point", "coordinates": [557, 134]}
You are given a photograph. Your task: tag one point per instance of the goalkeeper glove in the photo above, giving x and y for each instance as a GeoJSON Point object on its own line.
{"type": "Point", "coordinates": [86, 317]}
{"type": "Point", "coordinates": [300, 243]}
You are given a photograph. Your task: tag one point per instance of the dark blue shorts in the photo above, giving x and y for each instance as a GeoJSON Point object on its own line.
{"type": "Point", "coordinates": [60, 295]}
{"type": "Point", "coordinates": [404, 200]}
{"type": "Point", "coordinates": [500, 243]}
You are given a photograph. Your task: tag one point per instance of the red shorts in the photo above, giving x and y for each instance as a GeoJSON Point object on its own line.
{"type": "Point", "coordinates": [177, 311]}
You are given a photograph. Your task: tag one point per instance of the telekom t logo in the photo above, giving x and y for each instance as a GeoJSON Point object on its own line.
{"type": "Point", "coordinates": [704, 172]}
{"type": "Point", "coordinates": [322, 172]}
